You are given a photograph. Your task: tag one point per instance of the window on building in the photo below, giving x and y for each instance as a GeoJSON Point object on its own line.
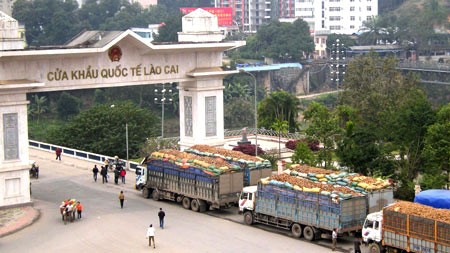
{"type": "Point", "coordinates": [323, 14]}
{"type": "Point", "coordinates": [323, 4]}
{"type": "Point", "coordinates": [351, 1]}
{"type": "Point", "coordinates": [335, 27]}
{"type": "Point", "coordinates": [352, 8]}
{"type": "Point", "coordinates": [317, 40]}
{"type": "Point", "coordinates": [323, 23]}
{"type": "Point", "coordinates": [352, 18]}
{"type": "Point", "coordinates": [324, 41]}
{"type": "Point", "coordinates": [352, 27]}
{"type": "Point", "coordinates": [335, 18]}
{"type": "Point", "coordinates": [335, 8]}
{"type": "Point", "coordinates": [369, 8]}
{"type": "Point", "coordinates": [369, 18]}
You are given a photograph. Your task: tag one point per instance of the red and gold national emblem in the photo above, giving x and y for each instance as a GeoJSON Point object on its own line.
{"type": "Point", "coordinates": [115, 53]}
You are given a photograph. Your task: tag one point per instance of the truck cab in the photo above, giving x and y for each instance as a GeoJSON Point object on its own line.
{"type": "Point", "coordinates": [372, 229]}
{"type": "Point", "coordinates": [141, 177]}
{"type": "Point", "coordinates": [247, 199]}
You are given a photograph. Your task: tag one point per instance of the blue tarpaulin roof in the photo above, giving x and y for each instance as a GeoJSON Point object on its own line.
{"type": "Point", "coordinates": [271, 67]}
{"type": "Point", "coordinates": [434, 198]}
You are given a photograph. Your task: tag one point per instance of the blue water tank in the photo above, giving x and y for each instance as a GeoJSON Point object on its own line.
{"type": "Point", "coordinates": [434, 198]}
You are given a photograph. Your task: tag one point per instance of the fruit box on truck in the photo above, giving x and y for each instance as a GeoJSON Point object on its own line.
{"type": "Point", "coordinates": [295, 204]}
{"type": "Point", "coordinates": [379, 192]}
{"type": "Point", "coordinates": [408, 227]}
{"type": "Point", "coordinates": [198, 183]}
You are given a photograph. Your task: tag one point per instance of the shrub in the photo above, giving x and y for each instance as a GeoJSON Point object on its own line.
{"type": "Point", "coordinates": [248, 149]}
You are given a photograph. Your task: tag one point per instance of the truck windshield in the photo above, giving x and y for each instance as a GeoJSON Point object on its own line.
{"type": "Point", "coordinates": [244, 195]}
{"type": "Point", "coordinates": [368, 224]}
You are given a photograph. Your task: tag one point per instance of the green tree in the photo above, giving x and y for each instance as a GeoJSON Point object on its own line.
{"type": "Point", "coordinates": [168, 32]}
{"type": "Point", "coordinates": [47, 22]}
{"type": "Point", "coordinates": [277, 40]}
{"type": "Point", "coordinates": [437, 147]}
{"type": "Point", "coordinates": [235, 116]}
{"type": "Point", "coordinates": [281, 126]}
{"type": "Point", "coordinates": [324, 127]}
{"type": "Point", "coordinates": [39, 106]}
{"type": "Point", "coordinates": [278, 105]}
{"type": "Point", "coordinates": [68, 105]}
{"type": "Point", "coordinates": [101, 129]}
{"type": "Point", "coordinates": [303, 154]}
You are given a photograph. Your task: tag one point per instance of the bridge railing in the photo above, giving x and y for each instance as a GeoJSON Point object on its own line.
{"type": "Point", "coordinates": [79, 154]}
{"type": "Point", "coordinates": [424, 65]}
{"type": "Point", "coordinates": [263, 132]}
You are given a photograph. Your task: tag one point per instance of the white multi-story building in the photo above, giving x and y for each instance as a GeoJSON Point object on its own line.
{"type": "Point", "coordinates": [336, 16]}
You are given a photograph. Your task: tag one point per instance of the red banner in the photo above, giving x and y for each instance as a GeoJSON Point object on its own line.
{"type": "Point", "coordinates": [224, 14]}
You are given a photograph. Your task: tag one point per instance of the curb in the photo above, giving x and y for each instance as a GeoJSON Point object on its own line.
{"type": "Point", "coordinates": [31, 215]}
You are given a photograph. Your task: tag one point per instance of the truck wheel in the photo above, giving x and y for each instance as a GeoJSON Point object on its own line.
{"type": "Point", "coordinates": [374, 248]}
{"type": "Point", "coordinates": [186, 202]}
{"type": "Point", "coordinates": [155, 195]}
{"type": "Point", "coordinates": [308, 233]}
{"type": "Point", "coordinates": [248, 218]}
{"type": "Point", "coordinates": [145, 193]}
{"type": "Point", "coordinates": [296, 230]}
{"type": "Point", "coordinates": [195, 206]}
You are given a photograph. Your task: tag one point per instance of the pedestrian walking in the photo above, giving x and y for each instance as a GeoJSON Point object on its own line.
{"type": "Point", "coordinates": [116, 176]}
{"type": "Point", "coordinates": [334, 238]}
{"type": "Point", "coordinates": [151, 236]}
{"type": "Point", "coordinates": [121, 199]}
{"type": "Point", "coordinates": [79, 209]}
{"type": "Point", "coordinates": [58, 152]}
{"type": "Point", "coordinates": [106, 164]}
{"type": "Point", "coordinates": [123, 172]}
{"type": "Point", "coordinates": [161, 215]}
{"type": "Point", "coordinates": [104, 173]}
{"type": "Point", "coordinates": [95, 172]}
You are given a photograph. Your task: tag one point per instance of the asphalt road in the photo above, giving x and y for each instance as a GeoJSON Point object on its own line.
{"type": "Point", "coordinates": [107, 228]}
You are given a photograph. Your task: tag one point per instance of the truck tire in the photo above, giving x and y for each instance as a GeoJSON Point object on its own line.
{"type": "Point", "coordinates": [308, 233]}
{"type": "Point", "coordinates": [145, 192]}
{"type": "Point", "coordinates": [248, 218]}
{"type": "Point", "coordinates": [296, 230]}
{"type": "Point", "coordinates": [155, 195]}
{"type": "Point", "coordinates": [195, 206]}
{"type": "Point", "coordinates": [186, 203]}
{"type": "Point", "coordinates": [375, 248]}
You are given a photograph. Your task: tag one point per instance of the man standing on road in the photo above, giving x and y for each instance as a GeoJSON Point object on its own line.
{"type": "Point", "coordinates": [95, 171]}
{"type": "Point", "coordinates": [104, 173]}
{"type": "Point", "coordinates": [151, 236]}
{"type": "Point", "coordinates": [121, 199]}
{"type": "Point", "coordinates": [79, 209]}
{"type": "Point", "coordinates": [161, 215]}
{"type": "Point", "coordinates": [357, 244]}
{"type": "Point", "coordinates": [58, 152]}
{"type": "Point", "coordinates": [334, 238]}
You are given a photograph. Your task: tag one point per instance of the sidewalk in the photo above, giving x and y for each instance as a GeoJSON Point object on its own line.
{"type": "Point", "coordinates": [17, 218]}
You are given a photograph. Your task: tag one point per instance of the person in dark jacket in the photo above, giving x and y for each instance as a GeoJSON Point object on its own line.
{"type": "Point", "coordinates": [357, 244]}
{"type": "Point", "coordinates": [95, 172]}
{"type": "Point", "coordinates": [104, 173]}
{"type": "Point", "coordinates": [161, 215]}
{"type": "Point", "coordinates": [116, 176]}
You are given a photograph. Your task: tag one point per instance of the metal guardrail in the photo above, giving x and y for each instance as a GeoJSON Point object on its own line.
{"type": "Point", "coordinates": [264, 132]}
{"type": "Point", "coordinates": [93, 157]}
{"type": "Point", "coordinates": [79, 154]}
{"type": "Point", "coordinates": [425, 66]}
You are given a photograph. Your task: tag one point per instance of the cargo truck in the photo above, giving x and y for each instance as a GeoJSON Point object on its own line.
{"type": "Point", "coordinates": [310, 214]}
{"type": "Point", "coordinates": [408, 227]}
{"type": "Point", "coordinates": [194, 188]}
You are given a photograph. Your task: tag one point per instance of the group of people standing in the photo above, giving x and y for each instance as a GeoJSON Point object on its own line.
{"type": "Point", "coordinates": [119, 171]}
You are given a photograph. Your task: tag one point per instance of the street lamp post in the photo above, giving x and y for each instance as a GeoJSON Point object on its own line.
{"type": "Point", "coordinates": [126, 141]}
{"type": "Point", "coordinates": [256, 109]}
{"type": "Point", "coordinates": [162, 101]}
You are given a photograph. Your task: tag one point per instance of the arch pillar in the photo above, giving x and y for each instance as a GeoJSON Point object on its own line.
{"type": "Point", "coordinates": [201, 112]}
{"type": "Point", "coordinates": [14, 157]}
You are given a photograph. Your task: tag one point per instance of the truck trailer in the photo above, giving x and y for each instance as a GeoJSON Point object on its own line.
{"type": "Point", "coordinates": [408, 227]}
{"type": "Point", "coordinates": [311, 214]}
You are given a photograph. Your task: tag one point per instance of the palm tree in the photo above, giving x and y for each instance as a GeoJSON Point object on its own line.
{"type": "Point", "coordinates": [39, 106]}
{"type": "Point", "coordinates": [281, 126]}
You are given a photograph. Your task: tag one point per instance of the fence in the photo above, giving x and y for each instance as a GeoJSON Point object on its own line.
{"type": "Point", "coordinates": [79, 154]}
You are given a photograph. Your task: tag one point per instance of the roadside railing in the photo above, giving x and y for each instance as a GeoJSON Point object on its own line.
{"type": "Point", "coordinates": [79, 154]}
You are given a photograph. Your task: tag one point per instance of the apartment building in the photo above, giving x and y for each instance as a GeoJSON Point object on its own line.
{"type": "Point", "coordinates": [250, 14]}
{"type": "Point", "coordinates": [336, 16]}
